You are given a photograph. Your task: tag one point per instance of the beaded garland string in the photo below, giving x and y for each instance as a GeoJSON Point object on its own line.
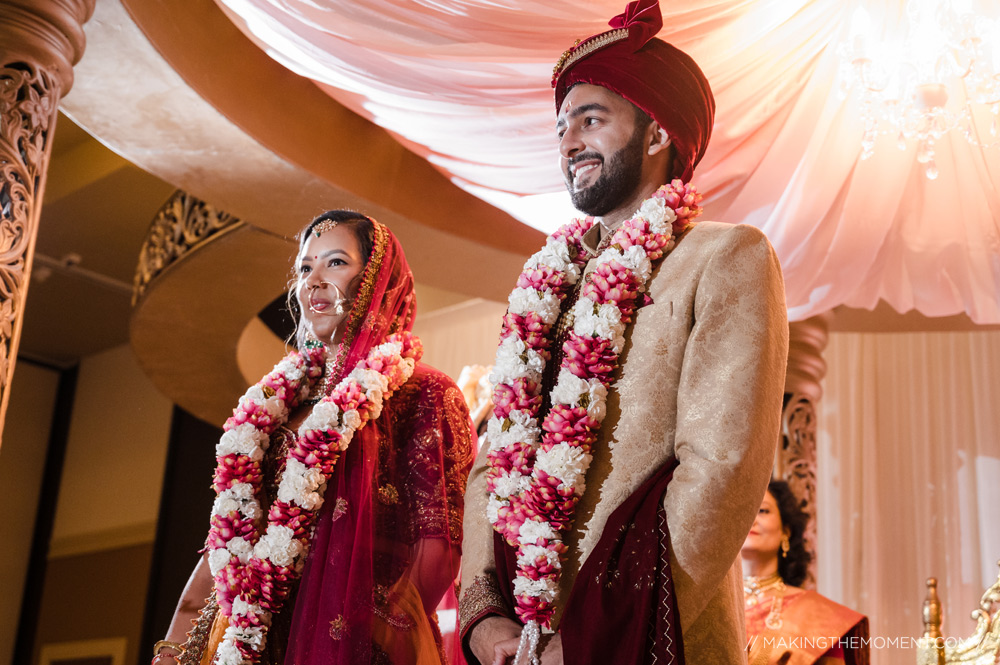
{"type": "Point", "coordinates": [254, 558]}
{"type": "Point", "coordinates": [537, 471]}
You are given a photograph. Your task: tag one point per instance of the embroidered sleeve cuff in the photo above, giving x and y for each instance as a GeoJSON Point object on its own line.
{"type": "Point", "coordinates": [482, 598]}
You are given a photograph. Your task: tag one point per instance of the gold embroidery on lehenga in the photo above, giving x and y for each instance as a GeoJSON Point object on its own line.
{"type": "Point", "coordinates": [338, 628]}
{"type": "Point", "coordinates": [383, 599]}
{"type": "Point", "coordinates": [388, 495]}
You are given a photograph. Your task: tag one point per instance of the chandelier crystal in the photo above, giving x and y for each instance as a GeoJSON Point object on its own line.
{"type": "Point", "coordinates": [932, 68]}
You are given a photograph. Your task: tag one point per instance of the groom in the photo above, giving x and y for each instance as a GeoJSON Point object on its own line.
{"type": "Point", "coordinates": [683, 439]}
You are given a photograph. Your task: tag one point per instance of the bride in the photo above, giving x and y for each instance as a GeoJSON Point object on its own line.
{"type": "Point", "coordinates": [340, 479]}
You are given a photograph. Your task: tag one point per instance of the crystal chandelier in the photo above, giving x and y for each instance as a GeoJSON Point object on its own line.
{"type": "Point", "coordinates": [931, 69]}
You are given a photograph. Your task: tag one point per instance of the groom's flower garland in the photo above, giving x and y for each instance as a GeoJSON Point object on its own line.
{"type": "Point", "coordinates": [253, 558]}
{"type": "Point", "coordinates": [537, 473]}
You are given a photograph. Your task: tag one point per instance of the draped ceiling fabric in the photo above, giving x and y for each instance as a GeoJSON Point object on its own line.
{"type": "Point", "coordinates": [465, 84]}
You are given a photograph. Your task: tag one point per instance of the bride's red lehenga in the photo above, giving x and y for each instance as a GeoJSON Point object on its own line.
{"type": "Point", "coordinates": [401, 480]}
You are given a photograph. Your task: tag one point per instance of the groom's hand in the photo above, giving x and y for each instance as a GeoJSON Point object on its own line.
{"type": "Point", "coordinates": [494, 640]}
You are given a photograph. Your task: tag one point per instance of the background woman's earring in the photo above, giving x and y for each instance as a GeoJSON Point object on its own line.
{"type": "Point", "coordinates": [784, 546]}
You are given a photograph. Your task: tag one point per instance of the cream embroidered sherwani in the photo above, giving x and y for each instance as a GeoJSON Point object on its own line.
{"type": "Point", "coordinates": [701, 378]}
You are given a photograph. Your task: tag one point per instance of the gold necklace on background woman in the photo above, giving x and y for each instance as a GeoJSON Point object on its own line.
{"type": "Point", "coordinates": [756, 589]}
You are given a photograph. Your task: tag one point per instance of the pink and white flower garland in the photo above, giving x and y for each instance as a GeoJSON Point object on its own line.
{"type": "Point", "coordinates": [254, 559]}
{"type": "Point", "coordinates": [537, 471]}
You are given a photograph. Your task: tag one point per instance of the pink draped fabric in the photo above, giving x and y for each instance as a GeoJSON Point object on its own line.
{"type": "Point", "coordinates": [465, 83]}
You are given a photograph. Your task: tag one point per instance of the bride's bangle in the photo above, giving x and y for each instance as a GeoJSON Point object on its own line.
{"type": "Point", "coordinates": [165, 644]}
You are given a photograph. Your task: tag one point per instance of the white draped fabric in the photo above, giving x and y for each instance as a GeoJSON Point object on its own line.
{"type": "Point", "coordinates": [465, 83]}
{"type": "Point", "coordinates": [909, 478]}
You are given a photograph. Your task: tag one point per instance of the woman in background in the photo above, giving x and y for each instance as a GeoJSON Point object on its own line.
{"type": "Point", "coordinates": [340, 479]}
{"type": "Point", "coordinates": [788, 625]}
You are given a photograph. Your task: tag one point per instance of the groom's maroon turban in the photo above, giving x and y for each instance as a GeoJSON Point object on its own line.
{"type": "Point", "coordinates": [655, 76]}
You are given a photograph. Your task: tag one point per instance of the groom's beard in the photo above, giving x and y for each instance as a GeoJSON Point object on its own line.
{"type": "Point", "coordinates": [619, 178]}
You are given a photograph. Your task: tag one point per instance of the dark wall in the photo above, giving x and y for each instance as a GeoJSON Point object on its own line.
{"type": "Point", "coordinates": [95, 596]}
{"type": "Point", "coordinates": [185, 506]}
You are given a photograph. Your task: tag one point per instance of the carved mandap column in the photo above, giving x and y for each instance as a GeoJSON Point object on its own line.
{"type": "Point", "coordinates": [40, 41]}
{"type": "Point", "coordinates": [795, 461]}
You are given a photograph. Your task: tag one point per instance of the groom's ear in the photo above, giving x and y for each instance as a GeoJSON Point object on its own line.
{"type": "Point", "coordinates": [659, 140]}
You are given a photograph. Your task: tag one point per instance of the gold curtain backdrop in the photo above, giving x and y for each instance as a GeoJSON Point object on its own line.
{"type": "Point", "coordinates": [909, 478]}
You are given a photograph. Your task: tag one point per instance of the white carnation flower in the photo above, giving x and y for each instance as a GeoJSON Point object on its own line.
{"type": "Point", "coordinates": [228, 654]}
{"type": "Point", "coordinates": [251, 635]}
{"type": "Point", "coordinates": [572, 390]}
{"type": "Point", "coordinates": [638, 262]}
{"type": "Point", "coordinates": [597, 398]}
{"type": "Point", "coordinates": [605, 323]}
{"type": "Point", "coordinates": [290, 370]}
{"type": "Point", "coordinates": [244, 439]}
{"type": "Point", "coordinates": [351, 418]}
{"type": "Point", "coordinates": [240, 548]}
{"type": "Point", "coordinates": [634, 258]}
{"type": "Point", "coordinates": [555, 254]}
{"type": "Point", "coordinates": [275, 407]}
{"type": "Point", "coordinates": [528, 554]}
{"type": "Point", "coordinates": [493, 506]}
{"type": "Point", "coordinates": [278, 545]}
{"type": "Point", "coordinates": [253, 394]}
{"type": "Point", "coordinates": [376, 402]}
{"type": "Point", "coordinates": [224, 505]}
{"type": "Point", "coordinates": [240, 498]}
{"type": "Point", "coordinates": [390, 349]}
{"type": "Point", "coordinates": [545, 303]}
{"type": "Point", "coordinates": [510, 484]}
{"type": "Point", "coordinates": [567, 463]}
{"type": "Point", "coordinates": [218, 559]}
{"type": "Point", "coordinates": [543, 588]}
{"type": "Point", "coordinates": [521, 427]}
{"type": "Point", "coordinates": [531, 531]}
{"type": "Point", "coordinates": [665, 226]}
{"type": "Point", "coordinates": [346, 435]}
{"type": "Point", "coordinates": [300, 485]}
{"type": "Point", "coordinates": [569, 388]}
{"type": "Point", "coordinates": [369, 379]}
{"type": "Point", "coordinates": [243, 608]}
{"type": "Point", "coordinates": [322, 417]}
{"type": "Point", "coordinates": [654, 211]}
{"type": "Point", "coordinates": [515, 360]}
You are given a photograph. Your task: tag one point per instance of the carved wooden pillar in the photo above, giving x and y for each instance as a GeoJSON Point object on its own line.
{"type": "Point", "coordinates": [40, 41]}
{"type": "Point", "coordinates": [795, 461]}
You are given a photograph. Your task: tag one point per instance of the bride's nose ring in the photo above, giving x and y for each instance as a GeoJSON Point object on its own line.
{"type": "Point", "coordinates": [337, 306]}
